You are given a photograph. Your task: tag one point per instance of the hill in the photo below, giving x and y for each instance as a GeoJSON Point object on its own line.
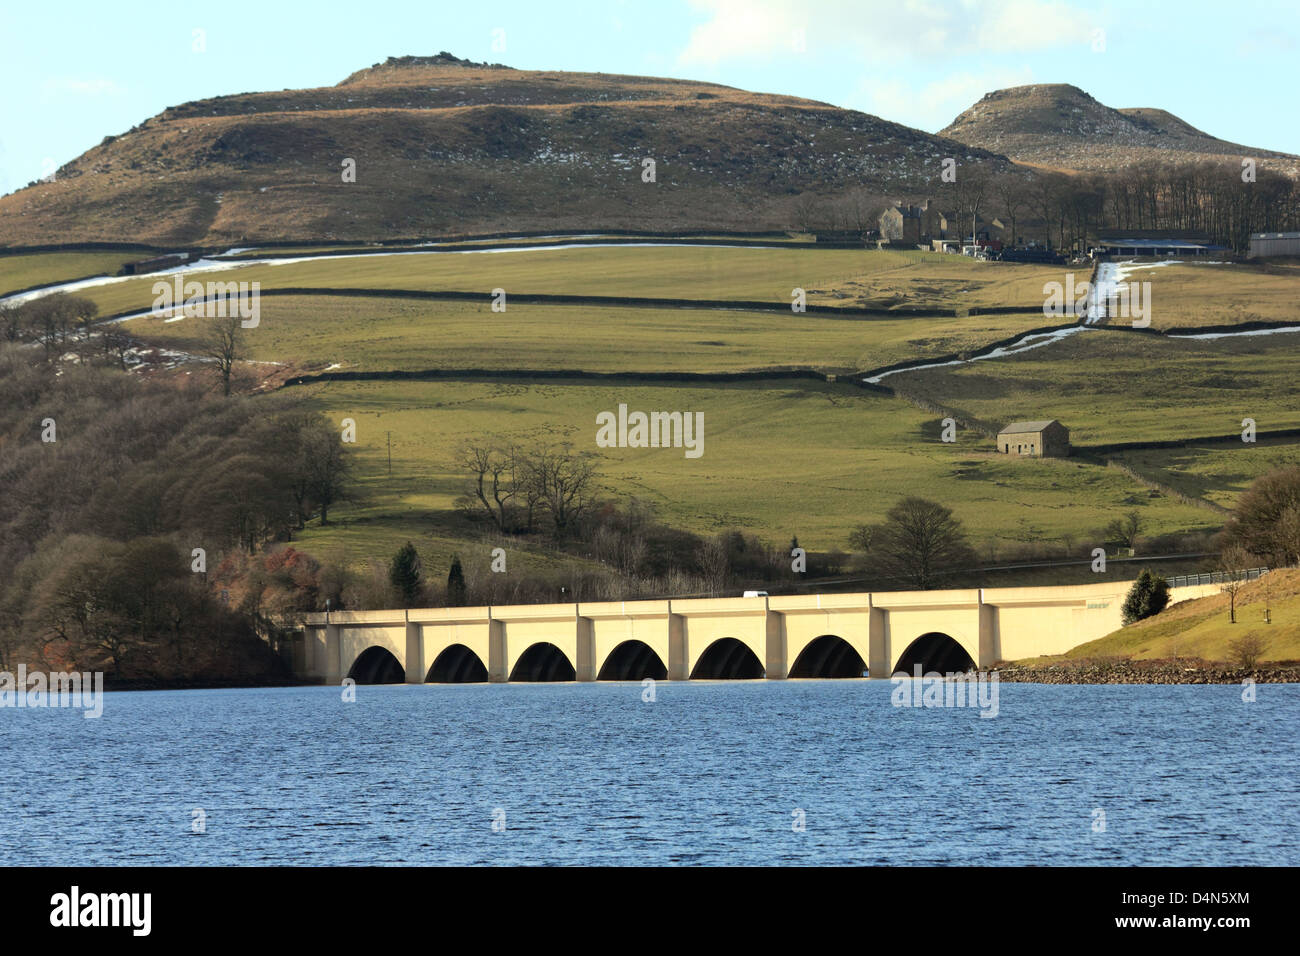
{"type": "Point", "coordinates": [442, 145]}
{"type": "Point", "coordinates": [1060, 126]}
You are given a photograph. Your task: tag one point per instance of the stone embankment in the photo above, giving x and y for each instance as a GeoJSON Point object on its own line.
{"type": "Point", "coordinates": [1146, 672]}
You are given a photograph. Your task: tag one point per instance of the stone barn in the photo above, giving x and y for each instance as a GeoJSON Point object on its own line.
{"type": "Point", "coordinates": [1046, 439]}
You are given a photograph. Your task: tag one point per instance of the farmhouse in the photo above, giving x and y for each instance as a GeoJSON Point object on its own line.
{"type": "Point", "coordinates": [1046, 439]}
{"type": "Point", "coordinates": [912, 225]}
{"type": "Point", "coordinates": [900, 223]}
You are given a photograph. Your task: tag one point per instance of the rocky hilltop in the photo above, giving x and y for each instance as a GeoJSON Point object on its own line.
{"type": "Point", "coordinates": [443, 145]}
{"type": "Point", "coordinates": [1062, 127]}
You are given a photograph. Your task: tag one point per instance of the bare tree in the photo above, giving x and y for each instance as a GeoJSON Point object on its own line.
{"type": "Point", "coordinates": [919, 541]}
{"type": "Point", "coordinates": [116, 345]}
{"type": "Point", "coordinates": [1232, 562]}
{"type": "Point", "coordinates": [970, 193]}
{"type": "Point", "coordinates": [223, 343]}
{"type": "Point", "coordinates": [1286, 530]}
{"type": "Point", "coordinates": [860, 210]}
{"type": "Point", "coordinates": [13, 321]}
{"type": "Point", "coordinates": [1130, 528]}
{"type": "Point", "coordinates": [53, 318]}
{"type": "Point", "coordinates": [565, 484]}
{"type": "Point", "coordinates": [1124, 531]}
{"type": "Point", "coordinates": [1047, 199]}
{"type": "Point", "coordinates": [329, 469]}
{"type": "Point", "coordinates": [714, 563]}
{"type": "Point", "coordinates": [807, 212]}
{"type": "Point", "coordinates": [494, 474]}
{"type": "Point", "coordinates": [1013, 198]}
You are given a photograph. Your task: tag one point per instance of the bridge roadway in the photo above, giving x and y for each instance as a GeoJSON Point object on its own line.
{"type": "Point", "coordinates": [812, 635]}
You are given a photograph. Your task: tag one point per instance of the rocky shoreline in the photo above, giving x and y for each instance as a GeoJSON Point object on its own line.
{"type": "Point", "coordinates": [1145, 672]}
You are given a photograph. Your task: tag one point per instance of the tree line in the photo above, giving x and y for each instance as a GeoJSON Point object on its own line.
{"type": "Point", "coordinates": [1218, 199]}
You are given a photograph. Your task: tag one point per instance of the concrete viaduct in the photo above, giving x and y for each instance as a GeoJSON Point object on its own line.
{"type": "Point", "coordinates": [813, 635]}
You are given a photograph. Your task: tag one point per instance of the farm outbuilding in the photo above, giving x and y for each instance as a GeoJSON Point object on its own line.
{"type": "Point", "coordinates": [156, 264]}
{"type": "Point", "coordinates": [1045, 439]}
{"type": "Point", "coordinates": [1155, 242]}
{"type": "Point", "coordinates": [1274, 244]}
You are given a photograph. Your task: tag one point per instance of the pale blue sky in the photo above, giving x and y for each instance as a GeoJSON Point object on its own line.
{"type": "Point", "coordinates": [74, 72]}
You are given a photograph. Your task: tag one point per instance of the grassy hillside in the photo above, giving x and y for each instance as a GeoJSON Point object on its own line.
{"type": "Point", "coordinates": [780, 459]}
{"type": "Point", "coordinates": [1201, 628]}
{"type": "Point", "coordinates": [785, 458]}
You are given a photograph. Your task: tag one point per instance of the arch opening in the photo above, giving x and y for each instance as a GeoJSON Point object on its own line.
{"type": "Point", "coordinates": [935, 652]}
{"type": "Point", "coordinates": [633, 660]}
{"type": "Point", "coordinates": [728, 659]}
{"type": "Point", "coordinates": [377, 665]}
{"type": "Point", "coordinates": [457, 664]}
{"type": "Point", "coordinates": [543, 662]}
{"type": "Point", "coordinates": [829, 656]}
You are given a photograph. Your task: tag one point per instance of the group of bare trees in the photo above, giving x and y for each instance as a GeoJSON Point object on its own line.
{"type": "Point", "coordinates": [60, 323]}
{"type": "Point", "coordinates": [516, 487]}
{"type": "Point", "coordinates": [1056, 209]}
{"type": "Point", "coordinates": [855, 210]}
{"type": "Point", "coordinates": [1214, 198]}
{"type": "Point", "coordinates": [1218, 199]}
{"type": "Point", "coordinates": [104, 507]}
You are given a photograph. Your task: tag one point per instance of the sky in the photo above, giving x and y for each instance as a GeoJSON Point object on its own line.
{"type": "Point", "coordinates": [75, 72]}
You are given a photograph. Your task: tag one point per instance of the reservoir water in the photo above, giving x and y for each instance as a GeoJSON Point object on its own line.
{"type": "Point", "coordinates": [782, 772]}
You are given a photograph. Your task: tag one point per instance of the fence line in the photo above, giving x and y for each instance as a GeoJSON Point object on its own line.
{"type": "Point", "coordinates": [1215, 577]}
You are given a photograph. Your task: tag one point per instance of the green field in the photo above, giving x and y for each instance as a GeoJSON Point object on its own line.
{"type": "Point", "coordinates": [844, 277]}
{"type": "Point", "coordinates": [314, 332]}
{"type": "Point", "coordinates": [26, 271]}
{"type": "Point", "coordinates": [1110, 387]}
{"type": "Point", "coordinates": [1201, 293]}
{"type": "Point", "coordinates": [780, 459]}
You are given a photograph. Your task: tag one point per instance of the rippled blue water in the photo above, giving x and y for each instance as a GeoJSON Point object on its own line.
{"type": "Point", "coordinates": [709, 773]}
